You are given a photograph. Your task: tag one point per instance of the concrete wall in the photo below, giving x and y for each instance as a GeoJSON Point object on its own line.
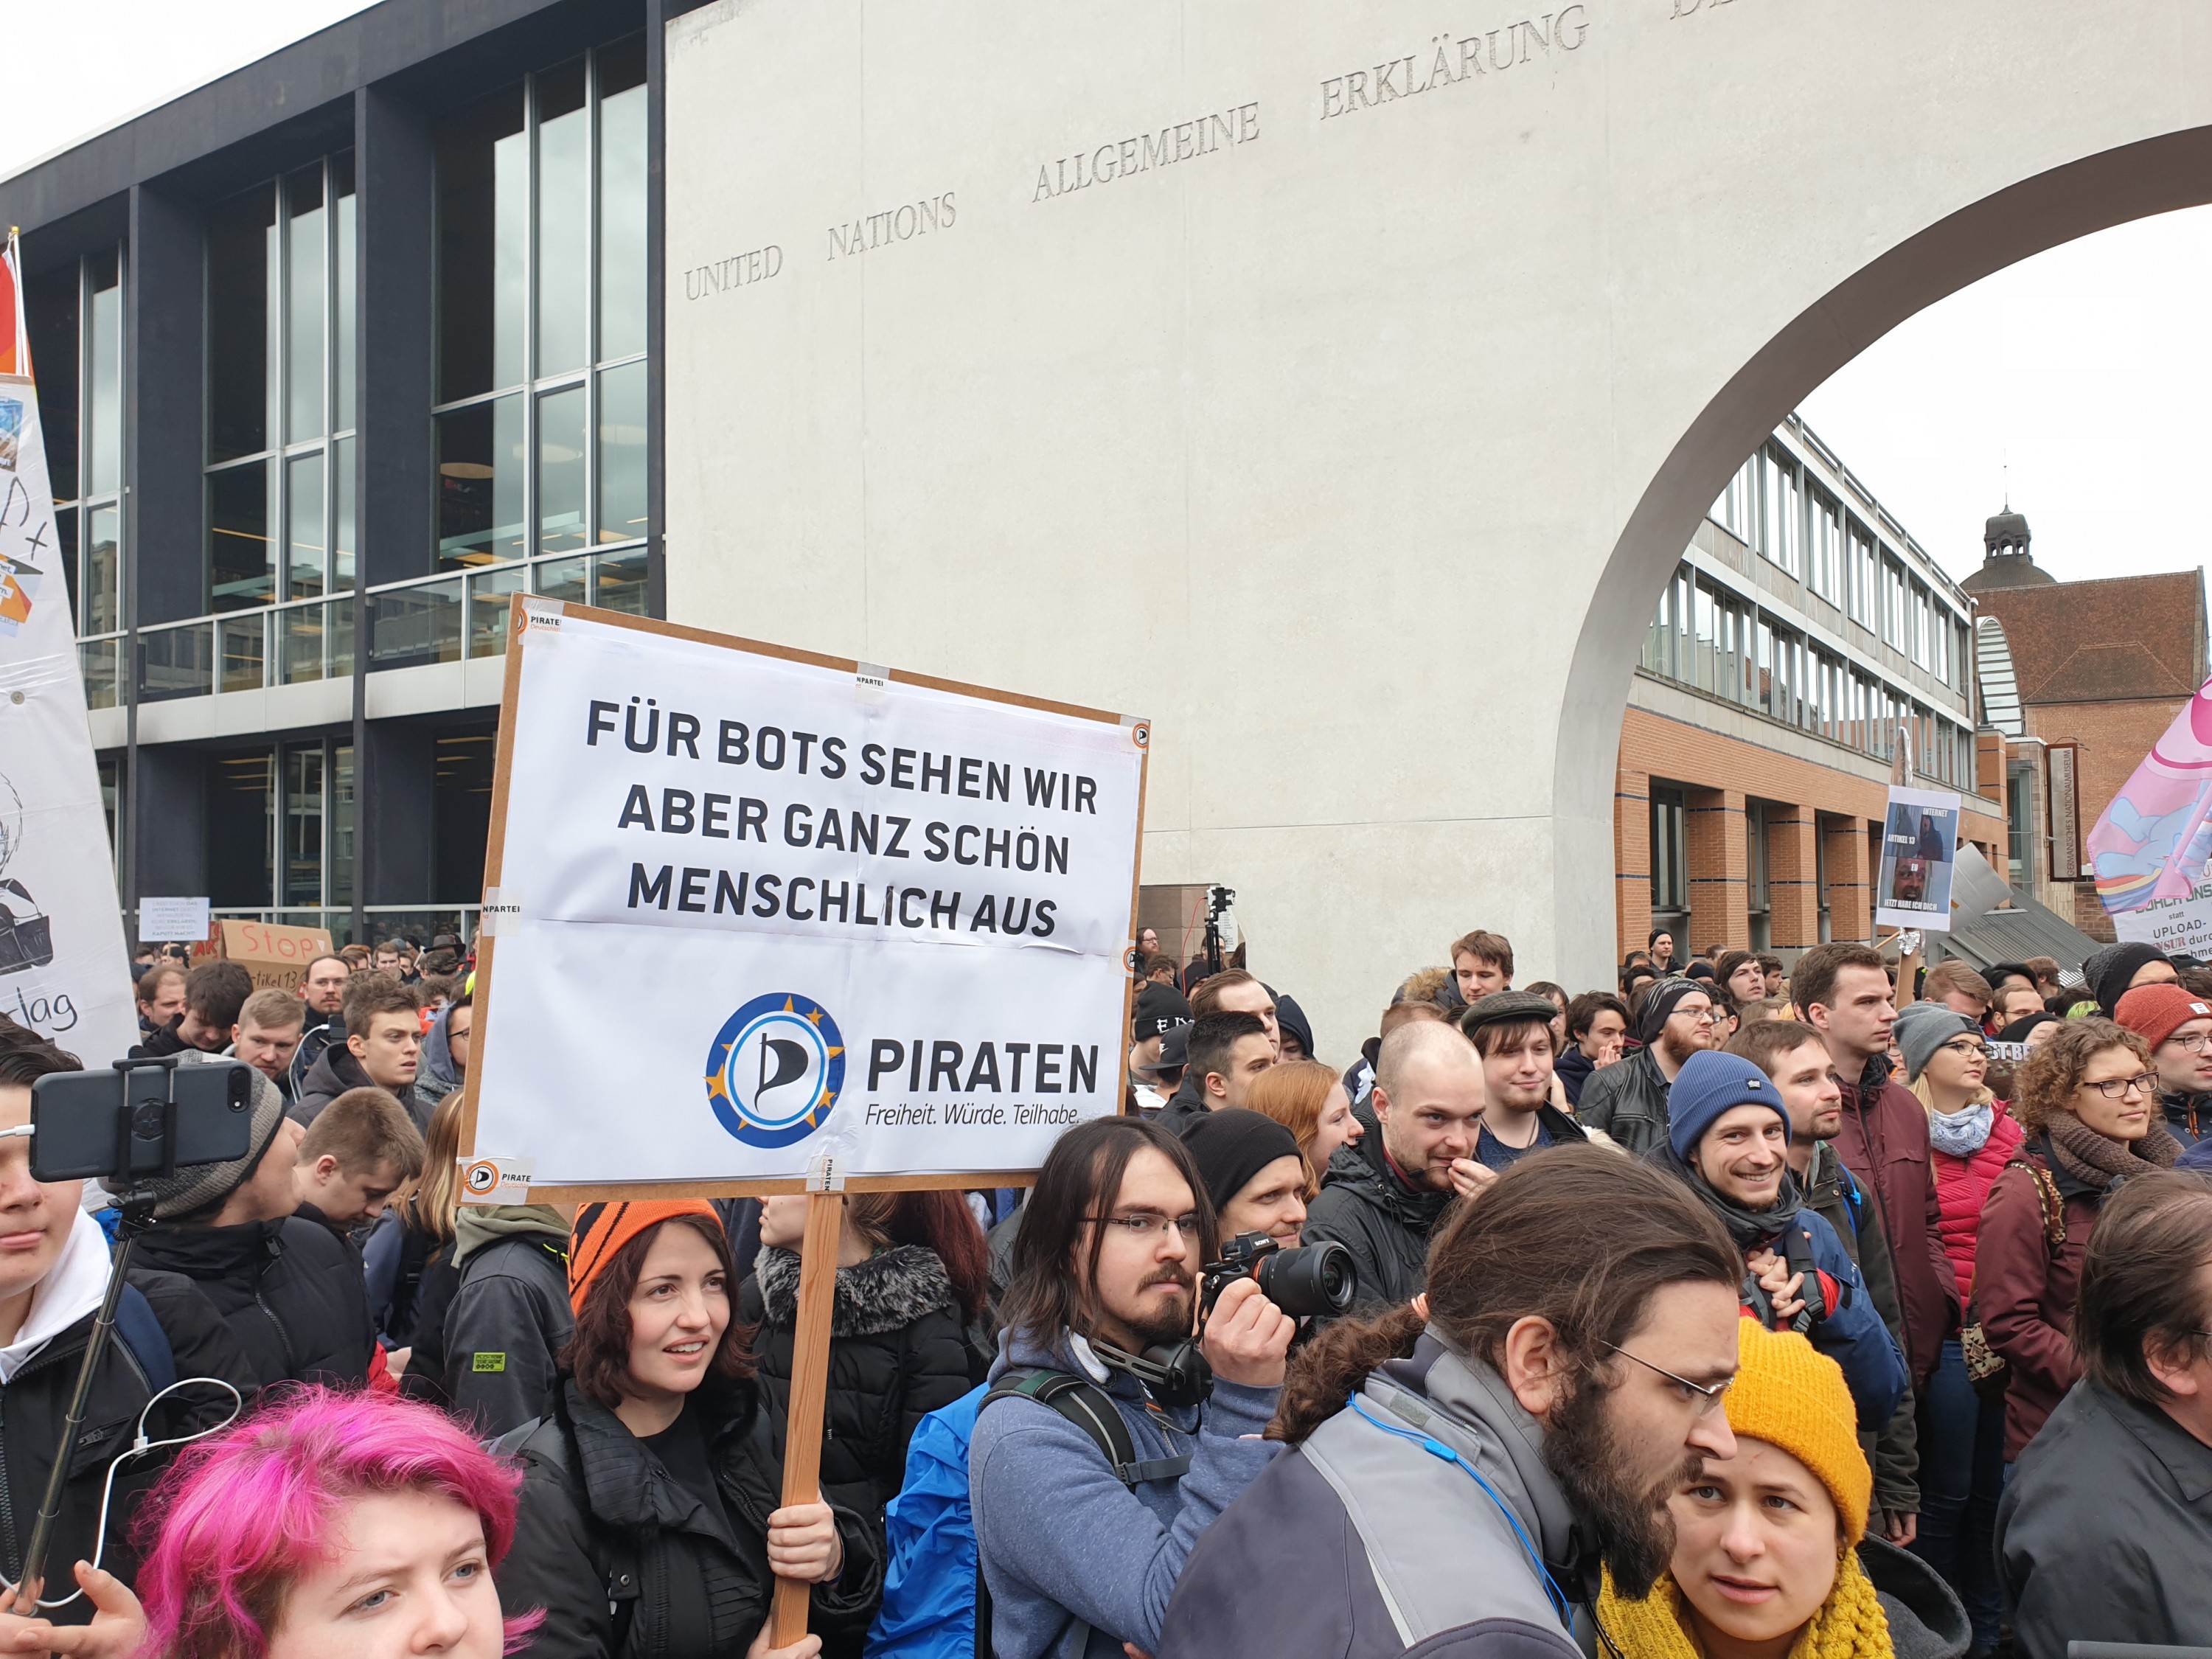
{"type": "Point", "coordinates": [1353, 444]}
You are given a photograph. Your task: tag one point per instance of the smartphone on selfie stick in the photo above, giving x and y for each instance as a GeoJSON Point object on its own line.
{"type": "Point", "coordinates": [127, 1126]}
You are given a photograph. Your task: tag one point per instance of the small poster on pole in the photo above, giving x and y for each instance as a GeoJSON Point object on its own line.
{"type": "Point", "coordinates": [852, 919]}
{"type": "Point", "coordinates": [1919, 846]}
{"type": "Point", "coordinates": [162, 921]}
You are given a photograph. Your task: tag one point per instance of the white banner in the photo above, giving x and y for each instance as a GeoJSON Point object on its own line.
{"type": "Point", "coordinates": [63, 968]}
{"type": "Point", "coordinates": [1919, 845]}
{"type": "Point", "coordinates": [749, 911]}
{"type": "Point", "coordinates": [2177, 926]}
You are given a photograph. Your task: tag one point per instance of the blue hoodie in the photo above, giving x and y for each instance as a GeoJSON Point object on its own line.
{"type": "Point", "coordinates": [1077, 1562]}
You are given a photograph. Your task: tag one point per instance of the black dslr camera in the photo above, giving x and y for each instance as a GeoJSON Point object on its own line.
{"type": "Point", "coordinates": [1312, 1278]}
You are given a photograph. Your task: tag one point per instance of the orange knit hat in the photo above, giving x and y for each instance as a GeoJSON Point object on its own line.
{"type": "Point", "coordinates": [603, 1229]}
{"type": "Point", "coordinates": [1789, 1394]}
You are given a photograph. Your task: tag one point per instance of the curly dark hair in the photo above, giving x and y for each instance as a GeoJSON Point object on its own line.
{"type": "Point", "coordinates": [2043, 1084]}
{"type": "Point", "coordinates": [597, 1355]}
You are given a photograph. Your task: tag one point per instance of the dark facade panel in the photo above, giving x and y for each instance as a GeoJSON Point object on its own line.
{"type": "Point", "coordinates": [395, 155]}
{"type": "Point", "coordinates": [162, 421]}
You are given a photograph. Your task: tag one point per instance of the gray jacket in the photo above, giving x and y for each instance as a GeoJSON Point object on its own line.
{"type": "Point", "coordinates": [1362, 1543]}
{"type": "Point", "coordinates": [1628, 1101]}
{"type": "Point", "coordinates": [2105, 1529]}
{"type": "Point", "coordinates": [510, 1317]}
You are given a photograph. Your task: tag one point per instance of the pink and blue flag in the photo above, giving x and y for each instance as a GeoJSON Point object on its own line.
{"type": "Point", "coordinates": [2152, 842]}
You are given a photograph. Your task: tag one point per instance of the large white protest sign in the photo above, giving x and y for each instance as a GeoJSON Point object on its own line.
{"type": "Point", "coordinates": [747, 910]}
{"type": "Point", "coordinates": [2178, 927]}
{"type": "Point", "coordinates": [64, 971]}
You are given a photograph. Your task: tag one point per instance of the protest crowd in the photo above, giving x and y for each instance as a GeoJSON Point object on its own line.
{"type": "Point", "coordinates": [1738, 1310]}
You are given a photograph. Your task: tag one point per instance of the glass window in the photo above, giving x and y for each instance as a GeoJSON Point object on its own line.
{"type": "Point", "coordinates": [50, 302]}
{"type": "Point", "coordinates": [343, 534]}
{"type": "Point", "coordinates": [241, 266]}
{"type": "Point", "coordinates": [1670, 872]}
{"type": "Point", "coordinates": [620, 583]}
{"type": "Point", "coordinates": [105, 365]}
{"type": "Point", "coordinates": [1702, 675]}
{"type": "Point", "coordinates": [344, 304]}
{"type": "Point", "coordinates": [303, 564]}
{"type": "Point", "coordinates": [305, 350]}
{"type": "Point", "coordinates": [241, 568]}
{"type": "Point", "coordinates": [621, 453]}
{"type": "Point", "coordinates": [564, 220]}
{"type": "Point", "coordinates": [341, 814]}
{"type": "Point", "coordinates": [303, 825]}
{"type": "Point", "coordinates": [561, 526]}
{"type": "Point", "coordinates": [484, 246]}
{"type": "Point", "coordinates": [480, 467]}
{"type": "Point", "coordinates": [238, 795]}
{"type": "Point", "coordinates": [621, 72]}
{"type": "Point", "coordinates": [102, 604]}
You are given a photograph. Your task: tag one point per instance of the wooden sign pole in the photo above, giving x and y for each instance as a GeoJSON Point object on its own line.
{"type": "Point", "coordinates": [809, 1387]}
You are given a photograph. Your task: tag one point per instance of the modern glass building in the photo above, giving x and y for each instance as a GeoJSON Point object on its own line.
{"type": "Point", "coordinates": [335, 355]}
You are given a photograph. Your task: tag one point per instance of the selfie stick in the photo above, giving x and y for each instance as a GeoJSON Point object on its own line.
{"type": "Point", "coordinates": [136, 1202]}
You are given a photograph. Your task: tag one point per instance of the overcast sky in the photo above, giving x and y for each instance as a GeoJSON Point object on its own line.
{"type": "Point", "coordinates": [2082, 371]}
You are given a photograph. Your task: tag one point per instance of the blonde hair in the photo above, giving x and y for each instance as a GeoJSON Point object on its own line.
{"type": "Point", "coordinates": [1293, 1093]}
{"type": "Point", "coordinates": [1926, 1096]}
{"type": "Point", "coordinates": [431, 1204]}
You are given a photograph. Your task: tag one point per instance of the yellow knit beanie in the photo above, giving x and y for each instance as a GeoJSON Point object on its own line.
{"type": "Point", "coordinates": [1789, 1395]}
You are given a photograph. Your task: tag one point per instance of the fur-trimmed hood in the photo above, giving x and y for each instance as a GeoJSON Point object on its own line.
{"type": "Point", "coordinates": [887, 1291]}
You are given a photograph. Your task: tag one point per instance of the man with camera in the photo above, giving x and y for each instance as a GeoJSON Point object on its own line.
{"type": "Point", "coordinates": [1384, 1194]}
{"type": "Point", "coordinates": [53, 1274]}
{"type": "Point", "coordinates": [1104, 1318]}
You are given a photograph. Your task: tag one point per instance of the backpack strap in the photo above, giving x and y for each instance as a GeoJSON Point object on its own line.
{"type": "Point", "coordinates": [2053, 1206]}
{"type": "Point", "coordinates": [140, 1332]}
{"type": "Point", "coordinates": [1091, 1409]}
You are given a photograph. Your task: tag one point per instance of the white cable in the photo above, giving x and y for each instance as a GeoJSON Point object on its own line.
{"type": "Point", "coordinates": [139, 1446]}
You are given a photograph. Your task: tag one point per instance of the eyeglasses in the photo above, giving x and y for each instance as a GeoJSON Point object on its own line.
{"type": "Point", "coordinates": [2119, 1088]}
{"type": "Point", "coordinates": [1966, 1048]}
{"type": "Point", "coordinates": [1145, 1224]}
{"type": "Point", "coordinates": [1700, 1016]}
{"type": "Point", "coordinates": [1708, 1393]}
{"type": "Point", "coordinates": [2193, 1043]}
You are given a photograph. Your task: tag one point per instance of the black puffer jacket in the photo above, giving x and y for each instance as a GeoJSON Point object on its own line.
{"type": "Point", "coordinates": [897, 1351]}
{"type": "Point", "coordinates": [598, 1507]}
{"type": "Point", "coordinates": [291, 1291]}
{"type": "Point", "coordinates": [35, 1405]}
{"type": "Point", "coordinates": [337, 1072]}
{"type": "Point", "coordinates": [1628, 1101]}
{"type": "Point", "coordinates": [1365, 1206]}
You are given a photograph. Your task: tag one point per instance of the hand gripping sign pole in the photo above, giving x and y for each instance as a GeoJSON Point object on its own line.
{"type": "Point", "coordinates": [869, 932]}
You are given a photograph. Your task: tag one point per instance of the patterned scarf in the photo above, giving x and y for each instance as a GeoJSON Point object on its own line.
{"type": "Point", "coordinates": [2103, 1163]}
{"type": "Point", "coordinates": [1849, 1625]}
{"type": "Point", "coordinates": [1962, 1134]}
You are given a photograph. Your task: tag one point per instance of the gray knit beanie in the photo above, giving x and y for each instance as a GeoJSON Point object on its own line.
{"type": "Point", "coordinates": [196, 1187]}
{"type": "Point", "coordinates": [1922, 1028]}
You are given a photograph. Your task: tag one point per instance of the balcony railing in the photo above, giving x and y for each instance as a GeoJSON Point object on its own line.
{"type": "Point", "coordinates": [432, 619]}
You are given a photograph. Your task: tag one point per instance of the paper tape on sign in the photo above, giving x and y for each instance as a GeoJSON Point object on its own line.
{"type": "Point", "coordinates": [501, 910]}
{"type": "Point", "coordinates": [496, 1180]}
{"type": "Point", "coordinates": [888, 925]}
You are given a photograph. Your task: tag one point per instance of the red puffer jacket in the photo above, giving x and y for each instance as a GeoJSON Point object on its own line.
{"type": "Point", "coordinates": [1962, 1187]}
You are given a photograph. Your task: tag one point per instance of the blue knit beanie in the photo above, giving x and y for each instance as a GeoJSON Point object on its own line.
{"type": "Point", "coordinates": [1710, 1083]}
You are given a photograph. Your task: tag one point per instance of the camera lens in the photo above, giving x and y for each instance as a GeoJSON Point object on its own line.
{"type": "Point", "coordinates": [1315, 1278]}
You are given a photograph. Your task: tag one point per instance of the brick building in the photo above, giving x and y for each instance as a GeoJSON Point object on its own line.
{"type": "Point", "coordinates": [1804, 630]}
{"type": "Point", "coordinates": [2098, 670]}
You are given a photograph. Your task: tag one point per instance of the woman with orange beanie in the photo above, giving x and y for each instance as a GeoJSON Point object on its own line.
{"type": "Point", "coordinates": [649, 1521]}
{"type": "Point", "coordinates": [1772, 1557]}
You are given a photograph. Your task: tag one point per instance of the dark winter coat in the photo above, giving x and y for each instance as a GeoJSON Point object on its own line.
{"type": "Point", "coordinates": [337, 1072]}
{"type": "Point", "coordinates": [426, 1375]}
{"type": "Point", "coordinates": [1184, 1108]}
{"type": "Point", "coordinates": [1884, 1142]}
{"type": "Point", "coordinates": [1368, 1207]}
{"type": "Point", "coordinates": [597, 1503]}
{"type": "Point", "coordinates": [34, 1406]}
{"type": "Point", "coordinates": [2024, 1291]}
{"type": "Point", "coordinates": [2189, 1117]}
{"type": "Point", "coordinates": [2104, 1528]}
{"type": "Point", "coordinates": [1628, 1101]}
{"type": "Point", "coordinates": [897, 1353]}
{"type": "Point", "coordinates": [314, 1043]}
{"type": "Point", "coordinates": [1575, 1069]}
{"type": "Point", "coordinates": [395, 1259]}
{"type": "Point", "coordinates": [291, 1291]}
{"type": "Point", "coordinates": [1834, 1193]}
{"type": "Point", "coordinates": [509, 1320]}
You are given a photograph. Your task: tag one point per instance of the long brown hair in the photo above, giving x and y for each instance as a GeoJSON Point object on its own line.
{"type": "Point", "coordinates": [937, 1221]}
{"type": "Point", "coordinates": [1049, 1292]}
{"type": "Point", "coordinates": [1293, 1094]}
{"type": "Point", "coordinates": [1579, 1236]}
{"type": "Point", "coordinates": [2043, 1087]}
{"type": "Point", "coordinates": [597, 1355]}
{"type": "Point", "coordinates": [433, 1200]}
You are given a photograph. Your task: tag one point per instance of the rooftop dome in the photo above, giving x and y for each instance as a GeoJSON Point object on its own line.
{"type": "Point", "coordinates": [2006, 562]}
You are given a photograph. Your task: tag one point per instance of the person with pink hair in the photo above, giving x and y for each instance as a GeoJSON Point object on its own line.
{"type": "Point", "coordinates": [326, 1526]}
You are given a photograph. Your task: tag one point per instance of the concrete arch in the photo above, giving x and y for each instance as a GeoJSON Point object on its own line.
{"type": "Point", "coordinates": [2133, 181]}
{"type": "Point", "coordinates": [1327, 389]}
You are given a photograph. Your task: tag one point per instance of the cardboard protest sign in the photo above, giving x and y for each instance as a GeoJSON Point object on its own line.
{"type": "Point", "coordinates": [1919, 846]}
{"type": "Point", "coordinates": [275, 957]}
{"type": "Point", "coordinates": [843, 913]}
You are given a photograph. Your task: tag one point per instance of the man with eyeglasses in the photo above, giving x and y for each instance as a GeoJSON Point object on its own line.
{"type": "Point", "coordinates": [1628, 1102]}
{"type": "Point", "coordinates": [1080, 1556]}
{"type": "Point", "coordinates": [1460, 1467]}
{"type": "Point", "coordinates": [2176, 1024]}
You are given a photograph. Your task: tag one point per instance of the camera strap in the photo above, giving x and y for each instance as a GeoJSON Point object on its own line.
{"type": "Point", "coordinates": [1091, 1409]}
